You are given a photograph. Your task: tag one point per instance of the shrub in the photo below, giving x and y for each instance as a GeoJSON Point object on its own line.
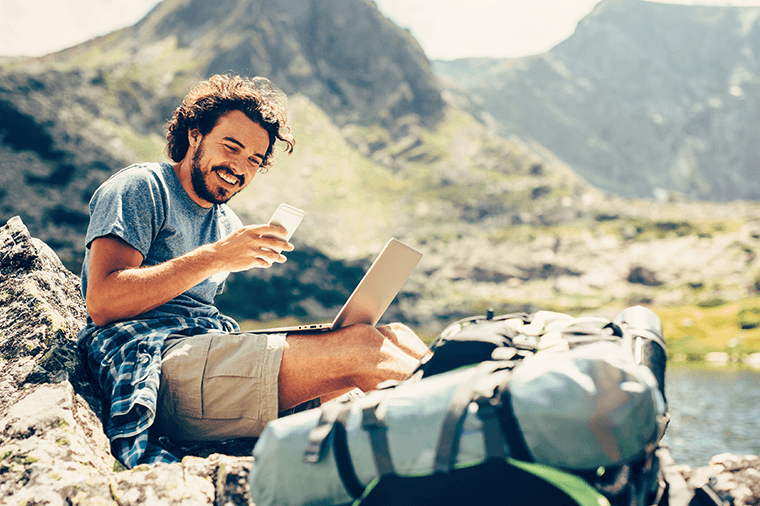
{"type": "Point", "coordinates": [749, 318]}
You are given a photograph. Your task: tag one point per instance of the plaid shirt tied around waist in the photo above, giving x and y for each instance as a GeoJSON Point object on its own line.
{"type": "Point", "coordinates": [125, 359]}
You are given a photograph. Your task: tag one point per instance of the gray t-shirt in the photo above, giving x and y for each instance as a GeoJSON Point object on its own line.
{"type": "Point", "coordinates": [147, 207]}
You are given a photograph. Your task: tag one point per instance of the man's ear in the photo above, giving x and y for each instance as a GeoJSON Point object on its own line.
{"type": "Point", "coordinates": [194, 137]}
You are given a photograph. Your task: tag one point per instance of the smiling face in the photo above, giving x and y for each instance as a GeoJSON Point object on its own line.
{"type": "Point", "coordinates": [223, 162]}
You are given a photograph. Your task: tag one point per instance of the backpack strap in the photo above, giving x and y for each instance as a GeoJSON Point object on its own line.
{"type": "Point", "coordinates": [315, 446]}
{"type": "Point", "coordinates": [333, 420]}
{"type": "Point", "coordinates": [494, 440]}
{"type": "Point", "coordinates": [342, 456]}
{"type": "Point", "coordinates": [451, 429]}
{"type": "Point", "coordinates": [373, 421]}
{"type": "Point", "coordinates": [518, 448]}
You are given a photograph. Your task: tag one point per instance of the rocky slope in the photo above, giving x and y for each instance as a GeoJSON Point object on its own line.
{"type": "Point", "coordinates": [643, 99]}
{"type": "Point", "coordinates": [58, 143]}
{"type": "Point", "coordinates": [53, 450]}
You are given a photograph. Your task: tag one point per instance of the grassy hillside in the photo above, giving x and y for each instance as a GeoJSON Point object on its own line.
{"type": "Point", "coordinates": [351, 203]}
{"type": "Point", "coordinates": [694, 330]}
{"type": "Point", "coordinates": [456, 178]}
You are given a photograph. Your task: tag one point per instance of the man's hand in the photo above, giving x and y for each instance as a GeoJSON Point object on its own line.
{"type": "Point", "coordinates": [119, 288]}
{"type": "Point", "coordinates": [405, 338]}
{"type": "Point", "coordinates": [253, 246]}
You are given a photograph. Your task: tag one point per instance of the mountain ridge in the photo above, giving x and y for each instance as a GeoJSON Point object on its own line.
{"type": "Point", "coordinates": [644, 99]}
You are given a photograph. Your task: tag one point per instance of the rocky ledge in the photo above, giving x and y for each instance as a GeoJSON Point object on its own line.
{"type": "Point", "coordinates": [53, 450]}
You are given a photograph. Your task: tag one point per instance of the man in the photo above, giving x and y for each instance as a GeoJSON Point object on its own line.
{"type": "Point", "coordinates": [160, 243]}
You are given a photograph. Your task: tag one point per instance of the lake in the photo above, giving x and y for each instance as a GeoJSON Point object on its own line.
{"type": "Point", "coordinates": [713, 410]}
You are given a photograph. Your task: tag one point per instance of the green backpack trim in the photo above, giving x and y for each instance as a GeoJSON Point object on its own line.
{"type": "Point", "coordinates": [575, 487]}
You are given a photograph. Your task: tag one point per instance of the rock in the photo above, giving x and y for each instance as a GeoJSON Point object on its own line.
{"type": "Point", "coordinates": [733, 478]}
{"type": "Point", "coordinates": [53, 448]}
{"type": "Point", "coordinates": [727, 479]}
{"type": "Point", "coordinates": [717, 358]}
{"type": "Point", "coordinates": [643, 276]}
{"type": "Point", "coordinates": [752, 361]}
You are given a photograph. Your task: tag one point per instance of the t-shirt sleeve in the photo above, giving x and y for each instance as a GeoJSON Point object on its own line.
{"type": "Point", "coordinates": [130, 205]}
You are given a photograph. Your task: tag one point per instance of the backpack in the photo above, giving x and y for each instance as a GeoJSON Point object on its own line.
{"type": "Point", "coordinates": [474, 339]}
{"type": "Point", "coordinates": [636, 329]}
{"type": "Point", "coordinates": [520, 409]}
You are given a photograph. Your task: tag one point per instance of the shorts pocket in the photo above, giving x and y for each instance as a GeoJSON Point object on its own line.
{"type": "Point", "coordinates": [182, 366]}
{"type": "Point", "coordinates": [240, 380]}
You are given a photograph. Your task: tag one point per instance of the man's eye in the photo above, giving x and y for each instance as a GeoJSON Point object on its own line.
{"type": "Point", "coordinates": [231, 148]}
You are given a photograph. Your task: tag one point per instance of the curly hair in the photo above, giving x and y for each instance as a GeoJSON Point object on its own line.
{"type": "Point", "coordinates": [211, 99]}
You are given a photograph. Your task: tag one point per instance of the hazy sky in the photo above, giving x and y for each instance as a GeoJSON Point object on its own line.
{"type": "Point", "coordinates": [446, 29]}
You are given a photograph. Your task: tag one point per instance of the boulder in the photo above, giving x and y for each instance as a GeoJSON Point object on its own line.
{"type": "Point", "coordinates": [52, 447]}
{"type": "Point", "coordinates": [726, 480]}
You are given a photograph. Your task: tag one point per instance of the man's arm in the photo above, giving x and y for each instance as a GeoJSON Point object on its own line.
{"type": "Point", "coordinates": [118, 288]}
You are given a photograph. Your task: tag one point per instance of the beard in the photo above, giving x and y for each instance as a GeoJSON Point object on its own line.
{"type": "Point", "coordinates": [201, 186]}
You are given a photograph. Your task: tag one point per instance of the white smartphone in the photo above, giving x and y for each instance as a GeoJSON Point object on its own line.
{"type": "Point", "coordinates": [288, 217]}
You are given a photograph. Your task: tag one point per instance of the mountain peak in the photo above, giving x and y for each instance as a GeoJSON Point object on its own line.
{"type": "Point", "coordinates": [343, 54]}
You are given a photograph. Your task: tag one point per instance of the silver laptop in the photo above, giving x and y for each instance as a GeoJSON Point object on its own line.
{"type": "Point", "coordinates": [372, 295]}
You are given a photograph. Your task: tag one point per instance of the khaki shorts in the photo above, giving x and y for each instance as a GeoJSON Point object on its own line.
{"type": "Point", "coordinates": [218, 386]}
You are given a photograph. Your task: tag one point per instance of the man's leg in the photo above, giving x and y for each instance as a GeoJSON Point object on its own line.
{"type": "Point", "coordinates": [329, 364]}
{"type": "Point", "coordinates": [218, 386]}
{"type": "Point", "coordinates": [224, 386]}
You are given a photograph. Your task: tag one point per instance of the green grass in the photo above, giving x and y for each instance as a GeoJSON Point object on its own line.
{"type": "Point", "coordinates": [647, 229]}
{"type": "Point", "coordinates": [145, 147]}
{"type": "Point", "coordinates": [693, 331]}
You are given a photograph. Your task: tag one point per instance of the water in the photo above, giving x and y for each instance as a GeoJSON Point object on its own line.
{"type": "Point", "coordinates": [713, 410]}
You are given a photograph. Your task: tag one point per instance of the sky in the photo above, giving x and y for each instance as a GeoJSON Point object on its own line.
{"type": "Point", "coordinates": [446, 29]}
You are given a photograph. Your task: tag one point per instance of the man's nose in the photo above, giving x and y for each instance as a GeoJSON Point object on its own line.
{"type": "Point", "coordinates": [235, 165]}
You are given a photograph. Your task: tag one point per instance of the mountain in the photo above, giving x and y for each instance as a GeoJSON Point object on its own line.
{"type": "Point", "coordinates": [343, 54]}
{"type": "Point", "coordinates": [379, 153]}
{"type": "Point", "coordinates": [383, 149]}
{"type": "Point", "coordinates": [644, 99]}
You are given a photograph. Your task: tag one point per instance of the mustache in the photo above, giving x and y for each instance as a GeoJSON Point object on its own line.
{"type": "Point", "coordinates": [229, 172]}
